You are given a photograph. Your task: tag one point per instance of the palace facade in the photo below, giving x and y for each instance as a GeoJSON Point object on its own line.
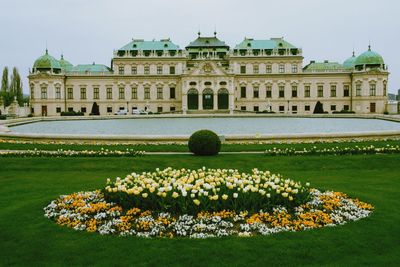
{"type": "Point", "coordinates": [209, 76]}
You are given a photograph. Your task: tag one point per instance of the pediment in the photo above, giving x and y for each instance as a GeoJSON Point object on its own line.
{"type": "Point", "coordinates": [207, 68]}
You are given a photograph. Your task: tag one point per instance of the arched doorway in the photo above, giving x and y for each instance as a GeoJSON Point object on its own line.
{"type": "Point", "coordinates": [223, 99]}
{"type": "Point", "coordinates": [193, 99]}
{"type": "Point", "coordinates": [208, 99]}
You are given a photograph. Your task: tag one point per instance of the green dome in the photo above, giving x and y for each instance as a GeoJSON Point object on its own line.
{"type": "Point", "coordinates": [46, 62]}
{"type": "Point", "coordinates": [349, 63]}
{"type": "Point", "coordinates": [65, 64]}
{"type": "Point", "coordinates": [369, 58]}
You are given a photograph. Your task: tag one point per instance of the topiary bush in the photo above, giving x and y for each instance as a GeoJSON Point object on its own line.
{"type": "Point", "coordinates": [204, 143]}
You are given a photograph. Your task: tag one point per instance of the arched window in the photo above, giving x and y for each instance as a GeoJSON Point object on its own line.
{"type": "Point", "coordinates": [193, 92]}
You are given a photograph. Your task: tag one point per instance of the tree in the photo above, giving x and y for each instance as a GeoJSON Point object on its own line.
{"type": "Point", "coordinates": [16, 87]}
{"type": "Point", "coordinates": [95, 109]}
{"type": "Point", "coordinates": [4, 86]}
{"type": "Point", "coordinates": [319, 108]}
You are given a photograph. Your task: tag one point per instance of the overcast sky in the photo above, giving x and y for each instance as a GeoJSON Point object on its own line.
{"type": "Point", "coordinates": [87, 31]}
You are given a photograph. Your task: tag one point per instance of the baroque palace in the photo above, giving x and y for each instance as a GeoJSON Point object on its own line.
{"type": "Point", "coordinates": [209, 76]}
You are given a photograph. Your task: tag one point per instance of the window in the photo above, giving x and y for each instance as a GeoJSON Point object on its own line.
{"type": "Point", "coordinates": [294, 109]}
{"type": "Point", "coordinates": [172, 92]}
{"type": "Point", "coordinates": [307, 91]}
{"type": "Point", "coordinates": [372, 89]}
{"type": "Point", "coordinates": [243, 69]}
{"type": "Point", "coordinates": [70, 109]}
{"type": "Point", "coordinates": [83, 93]}
{"type": "Point", "coordinates": [358, 89]}
{"type": "Point", "coordinates": [255, 69]}
{"type": "Point", "coordinates": [333, 107]}
{"type": "Point", "coordinates": [255, 92]}
{"type": "Point", "coordinates": [134, 93]}
{"type": "Point", "coordinates": [58, 109]}
{"type": "Point", "coordinates": [294, 68]}
{"type": "Point", "coordinates": [96, 93]}
{"type": "Point", "coordinates": [172, 108]}
{"type": "Point", "coordinates": [281, 108]}
{"type": "Point", "coordinates": [307, 107]}
{"type": "Point", "coordinates": [109, 109]}
{"type": "Point", "coordinates": [243, 108]}
{"type": "Point", "coordinates": [171, 69]}
{"type": "Point", "coordinates": [294, 91]}
{"type": "Point", "coordinates": [43, 91]}
{"type": "Point", "coordinates": [147, 93]}
{"type": "Point", "coordinates": [268, 68]}
{"type": "Point", "coordinates": [121, 70]}
{"type": "Point", "coordinates": [256, 108]}
{"type": "Point", "coordinates": [268, 91]}
{"type": "Point", "coordinates": [83, 109]}
{"type": "Point", "coordinates": [281, 91]}
{"type": "Point", "coordinates": [109, 93]}
{"type": "Point", "coordinates": [243, 92]}
{"type": "Point", "coordinates": [281, 68]}
{"type": "Point", "coordinates": [159, 69]}
{"type": "Point", "coordinates": [320, 91]}
{"type": "Point", "coordinates": [333, 90]}
{"type": "Point", "coordinates": [346, 107]}
{"type": "Point", "coordinates": [70, 93]}
{"type": "Point", "coordinates": [159, 109]}
{"type": "Point", "coordinates": [346, 90]}
{"type": "Point", "coordinates": [146, 69]}
{"type": "Point", "coordinates": [159, 93]}
{"type": "Point", "coordinates": [121, 93]}
{"type": "Point", "coordinates": [58, 92]}
{"type": "Point", "coordinates": [134, 70]}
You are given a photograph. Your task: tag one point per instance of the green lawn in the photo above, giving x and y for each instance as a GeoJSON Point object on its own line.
{"type": "Point", "coordinates": [30, 239]}
{"type": "Point", "coordinates": [184, 148]}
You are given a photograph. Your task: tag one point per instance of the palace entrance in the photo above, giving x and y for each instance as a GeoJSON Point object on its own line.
{"type": "Point", "coordinates": [223, 99]}
{"type": "Point", "coordinates": [193, 99]}
{"type": "Point", "coordinates": [208, 99]}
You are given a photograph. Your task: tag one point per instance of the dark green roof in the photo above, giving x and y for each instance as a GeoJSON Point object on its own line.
{"type": "Point", "coordinates": [85, 68]}
{"type": "Point", "coordinates": [139, 44]}
{"type": "Point", "coordinates": [369, 58]}
{"type": "Point", "coordinates": [324, 66]}
{"type": "Point", "coordinates": [46, 62]}
{"type": "Point", "coordinates": [207, 42]}
{"type": "Point", "coordinates": [66, 65]}
{"type": "Point", "coordinates": [264, 44]}
{"type": "Point", "coordinates": [349, 63]}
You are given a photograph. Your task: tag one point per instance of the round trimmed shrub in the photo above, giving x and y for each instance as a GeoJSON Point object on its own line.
{"type": "Point", "coordinates": [204, 143]}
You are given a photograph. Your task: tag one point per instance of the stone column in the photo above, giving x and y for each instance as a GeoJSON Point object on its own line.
{"type": "Point", "coordinates": [184, 102]}
{"type": "Point", "coordinates": [200, 101]}
{"type": "Point", "coordinates": [231, 103]}
{"type": "Point", "coordinates": [215, 101]}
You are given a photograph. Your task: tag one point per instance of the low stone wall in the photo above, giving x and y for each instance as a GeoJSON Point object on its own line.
{"type": "Point", "coordinates": [5, 131]}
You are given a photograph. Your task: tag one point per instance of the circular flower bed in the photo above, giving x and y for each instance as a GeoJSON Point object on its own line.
{"type": "Point", "coordinates": [204, 203]}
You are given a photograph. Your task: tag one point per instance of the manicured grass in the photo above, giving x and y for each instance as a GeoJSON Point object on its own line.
{"type": "Point", "coordinates": [184, 147]}
{"type": "Point", "coordinates": [30, 239]}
